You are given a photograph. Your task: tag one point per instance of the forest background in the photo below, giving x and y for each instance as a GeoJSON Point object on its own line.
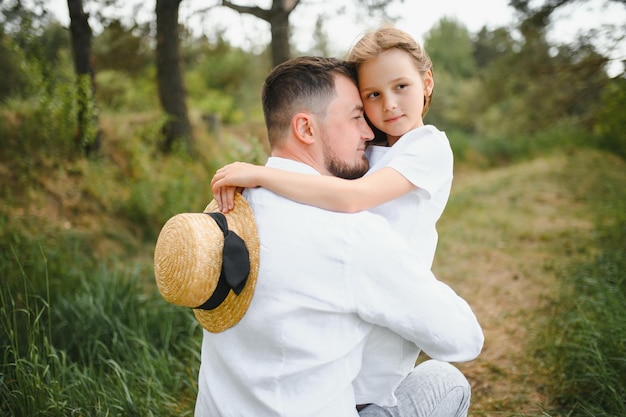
{"type": "Point", "coordinates": [107, 134]}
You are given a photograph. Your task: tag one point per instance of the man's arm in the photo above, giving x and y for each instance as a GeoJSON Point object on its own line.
{"type": "Point", "coordinates": [393, 290]}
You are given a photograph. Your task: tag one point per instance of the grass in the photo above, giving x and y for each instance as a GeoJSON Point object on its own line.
{"type": "Point", "coordinates": [511, 239]}
{"type": "Point", "coordinates": [584, 342]}
{"type": "Point", "coordinates": [107, 347]}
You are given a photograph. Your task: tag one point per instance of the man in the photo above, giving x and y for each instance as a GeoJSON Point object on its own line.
{"type": "Point", "coordinates": [326, 279]}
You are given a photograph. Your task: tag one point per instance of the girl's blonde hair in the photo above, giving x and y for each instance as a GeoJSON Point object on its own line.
{"type": "Point", "coordinates": [375, 43]}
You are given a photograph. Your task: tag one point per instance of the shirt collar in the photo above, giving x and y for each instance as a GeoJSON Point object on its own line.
{"type": "Point", "coordinates": [290, 165]}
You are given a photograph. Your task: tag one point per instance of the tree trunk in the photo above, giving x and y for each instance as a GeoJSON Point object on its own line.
{"type": "Point", "coordinates": [278, 18]}
{"type": "Point", "coordinates": [169, 77]}
{"type": "Point", "coordinates": [279, 23]}
{"type": "Point", "coordinates": [88, 136]}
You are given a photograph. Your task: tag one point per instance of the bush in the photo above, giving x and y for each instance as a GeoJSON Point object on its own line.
{"type": "Point", "coordinates": [611, 123]}
{"type": "Point", "coordinates": [120, 92]}
{"type": "Point", "coordinates": [502, 150]}
{"type": "Point", "coordinates": [43, 123]}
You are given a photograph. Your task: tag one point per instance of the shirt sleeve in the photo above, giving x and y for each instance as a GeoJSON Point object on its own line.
{"type": "Point", "coordinates": [391, 289]}
{"type": "Point", "coordinates": [424, 157]}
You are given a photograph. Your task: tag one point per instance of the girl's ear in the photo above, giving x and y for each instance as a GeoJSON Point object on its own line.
{"type": "Point", "coordinates": [302, 125]}
{"type": "Point", "coordinates": [429, 83]}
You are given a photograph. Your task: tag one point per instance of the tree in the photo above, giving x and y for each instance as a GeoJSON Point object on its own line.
{"type": "Point", "coordinates": [490, 45]}
{"type": "Point", "coordinates": [529, 85]}
{"type": "Point", "coordinates": [278, 18]}
{"type": "Point", "coordinates": [88, 134]}
{"type": "Point", "coordinates": [123, 48]}
{"type": "Point", "coordinates": [169, 76]}
{"type": "Point", "coordinates": [449, 46]}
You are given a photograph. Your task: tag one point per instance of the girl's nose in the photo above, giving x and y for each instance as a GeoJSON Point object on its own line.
{"type": "Point", "coordinates": [389, 103]}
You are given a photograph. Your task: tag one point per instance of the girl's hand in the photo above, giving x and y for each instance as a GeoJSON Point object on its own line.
{"type": "Point", "coordinates": [237, 174]}
{"type": "Point", "coordinates": [225, 198]}
{"type": "Point", "coordinates": [230, 179]}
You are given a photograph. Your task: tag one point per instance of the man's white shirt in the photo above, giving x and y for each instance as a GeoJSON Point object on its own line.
{"type": "Point", "coordinates": [325, 280]}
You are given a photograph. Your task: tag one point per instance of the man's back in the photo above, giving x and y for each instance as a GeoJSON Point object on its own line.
{"type": "Point", "coordinates": [324, 279]}
{"type": "Point", "coordinates": [299, 345]}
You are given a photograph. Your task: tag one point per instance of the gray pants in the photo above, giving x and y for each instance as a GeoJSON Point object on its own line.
{"type": "Point", "coordinates": [432, 389]}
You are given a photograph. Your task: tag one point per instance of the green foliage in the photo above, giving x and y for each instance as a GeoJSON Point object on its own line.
{"type": "Point", "coordinates": [250, 150]}
{"type": "Point", "coordinates": [44, 123]}
{"type": "Point", "coordinates": [123, 49]}
{"type": "Point", "coordinates": [533, 85]}
{"type": "Point", "coordinates": [490, 45]}
{"type": "Point", "coordinates": [118, 91]}
{"type": "Point", "coordinates": [224, 80]}
{"type": "Point", "coordinates": [155, 186]}
{"type": "Point", "coordinates": [88, 135]}
{"type": "Point", "coordinates": [13, 79]}
{"type": "Point", "coordinates": [584, 344]}
{"type": "Point", "coordinates": [453, 101]}
{"type": "Point", "coordinates": [33, 32]}
{"type": "Point", "coordinates": [214, 102]}
{"type": "Point", "coordinates": [449, 46]}
{"type": "Point", "coordinates": [156, 196]}
{"type": "Point", "coordinates": [486, 151]}
{"type": "Point", "coordinates": [611, 123]}
{"type": "Point", "coordinates": [22, 45]}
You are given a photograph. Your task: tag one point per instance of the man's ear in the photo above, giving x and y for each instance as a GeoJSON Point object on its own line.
{"type": "Point", "coordinates": [303, 127]}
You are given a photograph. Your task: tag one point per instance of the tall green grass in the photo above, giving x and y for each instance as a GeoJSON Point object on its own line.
{"type": "Point", "coordinates": [94, 341]}
{"type": "Point", "coordinates": [584, 343]}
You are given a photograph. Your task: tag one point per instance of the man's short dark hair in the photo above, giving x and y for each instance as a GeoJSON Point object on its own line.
{"type": "Point", "coordinates": [301, 84]}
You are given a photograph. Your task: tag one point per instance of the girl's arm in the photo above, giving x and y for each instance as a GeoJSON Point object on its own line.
{"type": "Point", "coordinates": [327, 192]}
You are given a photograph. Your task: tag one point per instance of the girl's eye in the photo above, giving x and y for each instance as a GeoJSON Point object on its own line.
{"type": "Point", "coordinates": [372, 95]}
{"type": "Point", "coordinates": [401, 86]}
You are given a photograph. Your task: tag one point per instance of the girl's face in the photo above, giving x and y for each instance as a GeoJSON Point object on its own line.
{"type": "Point", "coordinates": [393, 92]}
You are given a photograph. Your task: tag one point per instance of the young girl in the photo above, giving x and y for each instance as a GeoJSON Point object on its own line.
{"type": "Point", "coordinates": [408, 182]}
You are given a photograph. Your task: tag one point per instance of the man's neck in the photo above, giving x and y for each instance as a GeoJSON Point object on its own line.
{"type": "Point", "coordinates": [302, 157]}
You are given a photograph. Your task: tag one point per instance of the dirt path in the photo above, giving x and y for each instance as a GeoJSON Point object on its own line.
{"type": "Point", "coordinates": [500, 237]}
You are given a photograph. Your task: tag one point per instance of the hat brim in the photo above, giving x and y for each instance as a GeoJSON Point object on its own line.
{"type": "Point", "coordinates": [234, 307]}
{"type": "Point", "coordinates": [181, 289]}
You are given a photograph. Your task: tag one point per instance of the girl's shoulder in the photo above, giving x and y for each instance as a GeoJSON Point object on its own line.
{"type": "Point", "coordinates": [424, 137]}
{"type": "Point", "coordinates": [426, 131]}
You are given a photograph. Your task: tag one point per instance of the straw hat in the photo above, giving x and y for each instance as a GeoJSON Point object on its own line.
{"type": "Point", "coordinates": [197, 251]}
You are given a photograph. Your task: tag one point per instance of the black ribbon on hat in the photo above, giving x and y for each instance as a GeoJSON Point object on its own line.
{"type": "Point", "coordinates": [235, 265]}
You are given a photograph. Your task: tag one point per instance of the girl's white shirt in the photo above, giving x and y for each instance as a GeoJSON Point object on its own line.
{"type": "Point", "coordinates": [424, 157]}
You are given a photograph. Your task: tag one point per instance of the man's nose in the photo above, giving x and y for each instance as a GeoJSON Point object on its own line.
{"type": "Point", "coordinates": [366, 131]}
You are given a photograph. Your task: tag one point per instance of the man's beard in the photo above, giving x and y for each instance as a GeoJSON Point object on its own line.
{"type": "Point", "coordinates": [343, 169]}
